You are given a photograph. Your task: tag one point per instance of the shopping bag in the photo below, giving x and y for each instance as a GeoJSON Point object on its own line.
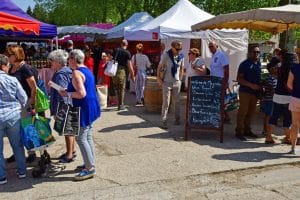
{"type": "Point", "coordinates": [111, 68]}
{"type": "Point", "coordinates": [36, 132]}
{"type": "Point", "coordinates": [231, 101]}
{"type": "Point", "coordinates": [67, 120]}
{"type": "Point", "coordinates": [102, 95]}
{"type": "Point", "coordinates": [42, 101]}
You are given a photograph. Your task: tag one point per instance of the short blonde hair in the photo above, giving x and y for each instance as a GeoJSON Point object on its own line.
{"type": "Point", "coordinates": [16, 50]}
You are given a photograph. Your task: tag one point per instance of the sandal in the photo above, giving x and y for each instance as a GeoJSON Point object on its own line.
{"type": "Point", "coordinates": [66, 160]}
{"type": "Point", "coordinates": [64, 155]}
{"type": "Point", "coordinates": [270, 141]}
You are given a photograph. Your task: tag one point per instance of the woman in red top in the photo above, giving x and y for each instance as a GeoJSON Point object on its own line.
{"type": "Point", "coordinates": [102, 79]}
{"type": "Point", "coordinates": [88, 60]}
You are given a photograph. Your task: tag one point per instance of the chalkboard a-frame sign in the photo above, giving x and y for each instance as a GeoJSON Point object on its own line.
{"type": "Point", "coordinates": [205, 104]}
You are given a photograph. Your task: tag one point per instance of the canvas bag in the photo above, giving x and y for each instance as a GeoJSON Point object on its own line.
{"type": "Point", "coordinates": [111, 67]}
{"type": "Point", "coordinates": [102, 92]}
{"type": "Point", "coordinates": [42, 101]}
{"type": "Point", "coordinates": [36, 132]}
{"type": "Point", "coordinates": [67, 120]}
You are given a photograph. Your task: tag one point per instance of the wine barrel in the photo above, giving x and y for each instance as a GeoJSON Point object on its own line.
{"type": "Point", "coordinates": [152, 95]}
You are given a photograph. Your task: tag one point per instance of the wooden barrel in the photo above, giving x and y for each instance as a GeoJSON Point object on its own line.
{"type": "Point", "coordinates": [152, 95]}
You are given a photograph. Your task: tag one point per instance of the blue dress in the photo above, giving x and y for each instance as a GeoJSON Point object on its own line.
{"type": "Point", "coordinates": [90, 107]}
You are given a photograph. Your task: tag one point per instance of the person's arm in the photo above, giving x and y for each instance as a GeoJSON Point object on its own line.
{"type": "Point", "coordinates": [78, 80]}
{"type": "Point", "coordinates": [148, 63]}
{"type": "Point", "coordinates": [159, 68]}
{"type": "Point", "coordinates": [226, 74]}
{"type": "Point", "coordinates": [131, 71]}
{"type": "Point", "coordinates": [33, 87]}
{"type": "Point", "coordinates": [21, 94]}
{"type": "Point", "coordinates": [242, 81]}
{"type": "Point", "coordinates": [290, 81]}
{"type": "Point", "coordinates": [200, 67]}
{"type": "Point", "coordinates": [181, 70]}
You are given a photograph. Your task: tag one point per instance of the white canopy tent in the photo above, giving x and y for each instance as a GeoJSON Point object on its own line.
{"type": "Point", "coordinates": [176, 24]}
{"type": "Point", "coordinates": [135, 20]}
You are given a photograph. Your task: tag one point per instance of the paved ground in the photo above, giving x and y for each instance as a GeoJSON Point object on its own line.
{"type": "Point", "coordinates": [138, 160]}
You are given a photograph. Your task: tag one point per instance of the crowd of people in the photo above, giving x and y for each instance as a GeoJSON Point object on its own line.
{"type": "Point", "coordinates": [74, 70]}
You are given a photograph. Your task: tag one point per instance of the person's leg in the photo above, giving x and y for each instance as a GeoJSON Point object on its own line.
{"type": "Point", "coordinates": [250, 112]}
{"type": "Point", "coordinates": [70, 144]}
{"type": "Point", "coordinates": [268, 130]}
{"type": "Point", "coordinates": [122, 87]}
{"type": "Point", "coordinates": [143, 81]}
{"type": "Point", "coordinates": [2, 162]}
{"type": "Point", "coordinates": [138, 86]}
{"type": "Point", "coordinates": [85, 147]}
{"type": "Point", "coordinates": [276, 113]}
{"type": "Point", "coordinates": [295, 128]}
{"type": "Point", "coordinates": [242, 112]}
{"type": "Point", "coordinates": [287, 122]}
{"type": "Point", "coordinates": [91, 144]}
{"type": "Point", "coordinates": [112, 93]}
{"type": "Point", "coordinates": [166, 101]}
{"type": "Point", "coordinates": [176, 100]}
{"type": "Point", "coordinates": [15, 140]}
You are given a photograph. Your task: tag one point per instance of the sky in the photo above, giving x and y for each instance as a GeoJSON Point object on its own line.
{"type": "Point", "coordinates": [24, 3]}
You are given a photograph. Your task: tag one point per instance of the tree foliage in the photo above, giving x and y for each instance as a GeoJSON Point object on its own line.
{"type": "Point", "coordinates": [71, 12]}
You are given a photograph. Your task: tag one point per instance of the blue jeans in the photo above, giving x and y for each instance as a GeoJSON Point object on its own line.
{"type": "Point", "coordinates": [86, 145]}
{"type": "Point", "coordinates": [11, 129]}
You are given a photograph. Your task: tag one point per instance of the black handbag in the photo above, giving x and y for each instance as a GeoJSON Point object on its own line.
{"type": "Point", "coordinates": [67, 120]}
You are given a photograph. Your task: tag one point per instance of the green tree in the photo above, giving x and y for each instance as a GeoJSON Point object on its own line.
{"type": "Point", "coordinates": [29, 11]}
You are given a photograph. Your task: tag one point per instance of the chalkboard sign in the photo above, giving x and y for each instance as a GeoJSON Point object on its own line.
{"type": "Point", "coordinates": [205, 103]}
{"type": "Point", "coordinates": [67, 120]}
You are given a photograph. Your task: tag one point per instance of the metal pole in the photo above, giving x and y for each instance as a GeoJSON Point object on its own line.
{"type": "Point", "coordinates": [56, 42]}
{"type": "Point", "coordinates": [286, 36]}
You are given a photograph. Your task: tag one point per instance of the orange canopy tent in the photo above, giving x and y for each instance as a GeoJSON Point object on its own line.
{"type": "Point", "coordinates": [18, 24]}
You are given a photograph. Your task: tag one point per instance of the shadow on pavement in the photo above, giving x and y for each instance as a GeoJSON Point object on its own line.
{"type": "Point", "coordinates": [257, 156]}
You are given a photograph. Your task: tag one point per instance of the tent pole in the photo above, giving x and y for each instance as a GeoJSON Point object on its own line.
{"type": "Point", "coordinates": [286, 36]}
{"type": "Point", "coordinates": [56, 42]}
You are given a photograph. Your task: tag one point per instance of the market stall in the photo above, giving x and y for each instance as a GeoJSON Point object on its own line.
{"type": "Point", "coordinates": [176, 23]}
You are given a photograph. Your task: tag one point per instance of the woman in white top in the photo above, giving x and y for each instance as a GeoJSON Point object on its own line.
{"type": "Point", "coordinates": [140, 63]}
{"type": "Point", "coordinates": [196, 65]}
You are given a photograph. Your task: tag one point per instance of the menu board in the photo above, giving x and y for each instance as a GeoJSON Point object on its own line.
{"type": "Point", "coordinates": [205, 102]}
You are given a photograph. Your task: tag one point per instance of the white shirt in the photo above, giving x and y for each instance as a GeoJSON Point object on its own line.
{"type": "Point", "coordinates": [142, 61]}
{"type": "Point", "coordinates": [281, 99]}
{"type": "Point", "coordinates": [218, 61]}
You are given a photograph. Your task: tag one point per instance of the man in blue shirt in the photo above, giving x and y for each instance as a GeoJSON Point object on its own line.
{"type": "Point", "coordinates": [249, 77]}
{"type": "Point", "coordinates": [12, 99]}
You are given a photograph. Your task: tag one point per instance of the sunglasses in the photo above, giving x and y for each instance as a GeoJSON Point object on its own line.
{"type": "Point", "coordinates": [210, 46]}
{"type": "Point", "coordinates": [190, 53]}
{"type": "Point", "coordinates": [179, 49]}
{"type": "Point", "coordinates": [256, 52]}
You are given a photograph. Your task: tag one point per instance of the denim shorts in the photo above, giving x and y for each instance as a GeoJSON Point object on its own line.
{"type": "Point", "coordinates": [266, 107]}
{"type": "Point", "coordinates": [281, 110]}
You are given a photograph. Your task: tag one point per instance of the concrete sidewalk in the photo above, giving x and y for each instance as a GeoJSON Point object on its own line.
{"type": "Point", "coordinates": [132, 150]}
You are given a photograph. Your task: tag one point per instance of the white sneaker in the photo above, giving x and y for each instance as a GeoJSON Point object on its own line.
{"type": "Point", "coordinates": [21, 176]}
{"type": "Point", "coordinates": [3, 181]}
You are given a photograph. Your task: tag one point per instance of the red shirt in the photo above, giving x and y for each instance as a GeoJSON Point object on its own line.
{"type": "Point", "coordinates": [89, 62]}
{"type": "Point", "coordinates": [101, 68]}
